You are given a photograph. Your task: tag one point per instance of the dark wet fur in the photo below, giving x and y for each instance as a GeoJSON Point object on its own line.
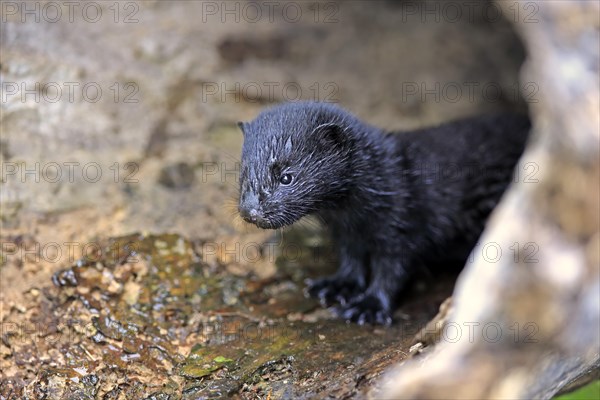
{"type": "Point", "coordinates": [394, 202]}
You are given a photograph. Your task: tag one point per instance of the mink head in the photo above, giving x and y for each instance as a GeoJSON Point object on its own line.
{"type": "Point", "coordinates": [296, 159]}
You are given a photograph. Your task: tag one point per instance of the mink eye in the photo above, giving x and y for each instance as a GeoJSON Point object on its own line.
{"type": "Point", "coordinates": [286, 179]}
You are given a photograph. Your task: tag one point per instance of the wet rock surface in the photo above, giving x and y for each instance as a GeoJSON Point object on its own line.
{"type": "Point", "coordinates": [146, 317]}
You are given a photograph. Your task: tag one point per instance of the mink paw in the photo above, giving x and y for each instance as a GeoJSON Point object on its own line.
{"type": "Point", "coordinates": [366, 309]}
{"type": "Point", "coordinates": [333, 289]}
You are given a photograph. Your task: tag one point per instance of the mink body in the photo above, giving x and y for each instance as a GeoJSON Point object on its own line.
{"type": "Point", "coordinates": [393, 201]}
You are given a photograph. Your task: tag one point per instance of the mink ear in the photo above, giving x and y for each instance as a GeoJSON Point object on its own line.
{"type": "Point", "coordinates": [331, 134]}
{"type": "Point", "coordinates": [241, 125]}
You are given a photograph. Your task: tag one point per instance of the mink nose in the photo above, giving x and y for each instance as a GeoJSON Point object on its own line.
{"type": "Point", "coordinates": [249, 207]}
{"type": "Point", "coordinates": [249, 214]}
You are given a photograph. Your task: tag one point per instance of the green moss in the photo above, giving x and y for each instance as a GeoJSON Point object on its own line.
{"type": "Point", "coordinates": [590, 391]}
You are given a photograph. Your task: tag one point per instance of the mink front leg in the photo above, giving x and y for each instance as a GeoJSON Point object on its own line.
{"type": "Point", "coordinates": [376, 304]}
{"type": "Point", "coordinates": [348, 282]}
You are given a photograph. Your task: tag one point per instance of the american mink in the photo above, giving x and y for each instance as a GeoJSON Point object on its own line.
{"type": "Point", "coordinates": [394, 202]}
